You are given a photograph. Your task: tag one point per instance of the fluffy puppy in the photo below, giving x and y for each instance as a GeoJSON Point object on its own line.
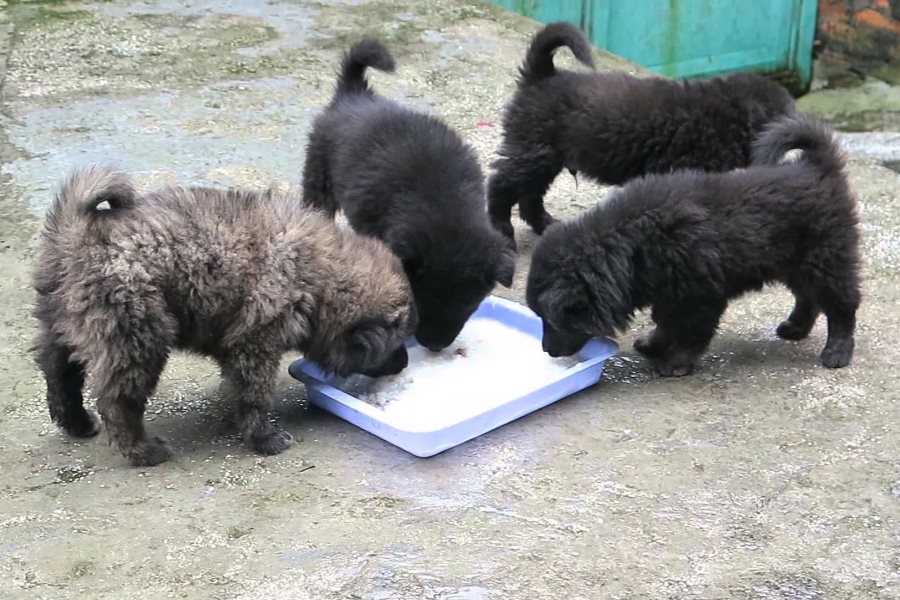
{"type": "Point", "coordinates": [614, 127]}
{"type": "Point", "coordinates": [685, 244]}
{"type": "Point", "coordinates": [408, 179]}
{"type": "Point", "coordinates": [241, 277]}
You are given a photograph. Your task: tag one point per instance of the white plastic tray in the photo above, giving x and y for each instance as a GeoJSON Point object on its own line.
{"type": "Point", "coordinates": [455, 431]}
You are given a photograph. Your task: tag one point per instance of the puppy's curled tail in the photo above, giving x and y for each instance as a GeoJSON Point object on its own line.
{"type": "Point", "coordinates": [798, 132]}
{"type": "Point", "coordinates": [364, 54]}
{"type": "Point", "coordinates": [81, 196]}
{"type": "Point", "coordinates": [539, 58]}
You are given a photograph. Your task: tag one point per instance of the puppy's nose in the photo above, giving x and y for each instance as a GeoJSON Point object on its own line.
{"type": "Point", "coordinates": [431, 342]}
{"type": "Point", "coordinates": [397, 361]}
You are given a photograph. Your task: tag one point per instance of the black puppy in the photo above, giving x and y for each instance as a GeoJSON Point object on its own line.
{"type": "Point", "coordinates": [685, 244]}
{"type": "Point", "coordinates": [614, 127]}
{"type": "Point", "coordinates": [408, 179]}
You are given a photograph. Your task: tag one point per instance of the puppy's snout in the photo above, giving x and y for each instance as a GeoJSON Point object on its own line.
{"type": "Point", "coordinates": [434, 345]}
{"type": "Point", "coordinates": [400, 359]}
{"type": "Point", "coordinates": [556, 350]}
{"type": "Point", "coordinates": [436, 338]}
{"type": "Point", "coordinates": [557, 344]}
{"type": "Point", "coordinates": [396, 362]}
{"type": "Point", "coordinates": [548, 347]}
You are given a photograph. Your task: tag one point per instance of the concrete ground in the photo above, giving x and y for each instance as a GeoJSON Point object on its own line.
{"type": "Point", "coordinates": [761, 476]}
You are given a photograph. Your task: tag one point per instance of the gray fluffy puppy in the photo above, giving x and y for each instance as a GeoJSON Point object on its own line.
{"type": "Point", "coordinates": [242, 277]}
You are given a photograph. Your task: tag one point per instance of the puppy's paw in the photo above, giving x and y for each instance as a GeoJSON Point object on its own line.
{"type": "Point", "coordinates": [788, 330]}
{"type": "Point", "coordinates": [649, 344]}
{"type": "Point", "coordinates": [149, 453]}
{"type": "Point", "coordinates": [542, 223]}
{"type": "Point", "coordinates": [85, 425]}
{"type": "Point", "coordinates": [506, 230]}
{"type": "Point", "coordinates": [677, 365]}
{"type": "Point", "coordinates": [271, 440]}
{"type": "Point", "coordinates": [837, 354]}
{"type": "Point", "coordinates": [669, 370]}
{"type": "Point", "coordinates": [643, 345]}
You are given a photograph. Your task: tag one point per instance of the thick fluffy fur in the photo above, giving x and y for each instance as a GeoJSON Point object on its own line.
{"type": "Point", "coordinates": [614, 127]}
{"type": "Point", "coordinates": [242, 277]}
{"type": "Point", "coordinates": [408, 179]}
{"type": "Point", "coordinates": [685, 244]}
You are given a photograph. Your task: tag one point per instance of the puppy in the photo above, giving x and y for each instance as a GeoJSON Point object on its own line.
{"type": "Point", "coordinates": [685, 244]}
{"type": "Point", "coordinates": [408, 179]}
{"type": "Point", "coordinates": [241, 277]}
{"type": "Point", "coordinates": [614, 127]}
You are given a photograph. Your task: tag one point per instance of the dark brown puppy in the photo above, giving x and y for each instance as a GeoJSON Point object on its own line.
{"type": "Point", "coordinates": [408, 179]}
{"type": "Point", "coordinates": [614, 127]}
{"type": "Point", "coordinates": [685, 244]}
{"type": "Point", "coordinates": [242, 277]}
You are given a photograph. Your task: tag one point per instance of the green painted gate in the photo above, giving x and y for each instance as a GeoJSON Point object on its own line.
{"type": "Point", "coordinates": [690, 38]}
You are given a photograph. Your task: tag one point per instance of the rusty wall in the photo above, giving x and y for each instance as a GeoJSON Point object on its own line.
{"type": "Point", "coordinates": [862, 36]}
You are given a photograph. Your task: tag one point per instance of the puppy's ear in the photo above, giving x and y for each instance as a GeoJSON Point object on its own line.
{"type": "Point", "coordinates": [403, 246]}
{"type": "Point", "coordinates": [506, 268]}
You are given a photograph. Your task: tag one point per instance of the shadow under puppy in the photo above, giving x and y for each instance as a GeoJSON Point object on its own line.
{"type": "Point", "coordinates": [408, 179]}
{"type": "Point", "coordinates": [685, 244]}
{"type": "Point", "coordinates": [614, 127]}
{"type": "Point", "coordinates": [239, 276]}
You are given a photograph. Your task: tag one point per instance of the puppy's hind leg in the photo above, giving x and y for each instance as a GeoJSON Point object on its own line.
{"type": "Point", "coordinates": [249, 382]}
{"type": "Point", "coordinates": [802, 318]}
{"type": "Point", "coordinates": [65, 382]}
{"type": "Point", "coordinates": [317, 190]}
{"type": "Point", "coordinates": [122, 394]}
{"type": "Point", "coordinates": [840, 306]}
{"type": "Point", "coordinates": [522, 179]}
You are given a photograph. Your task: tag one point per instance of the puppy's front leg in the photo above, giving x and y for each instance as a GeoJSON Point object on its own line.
{"type": "Point", "coordinates": [677, 362]}
{"type": "Point", "coordinates": [317, 187]}
{"type": "Point", "coordinates": [653, 344]}
{"type": "Point", "coordinates": [249, 381]}
{"type": "Point", "coordinates": [688, 326]}
{"type": "Point", "coordinates": [521, 178]}
{"type": "Point", "coordinates": [65, 380]}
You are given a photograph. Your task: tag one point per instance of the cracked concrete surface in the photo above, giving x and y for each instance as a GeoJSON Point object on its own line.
{"type": "Point", "coordinates": [762, 476]}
